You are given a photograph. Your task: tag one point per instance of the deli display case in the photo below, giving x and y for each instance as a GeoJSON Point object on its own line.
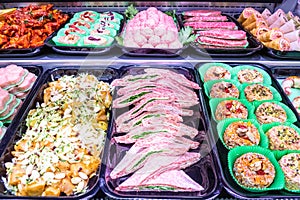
{"type": "Point", "coordinates": [149, 99]}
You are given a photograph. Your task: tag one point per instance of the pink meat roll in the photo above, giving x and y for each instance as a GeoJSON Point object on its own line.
{"type": "Point", "coordinates": [281, 20]}
{"type": "Point", "coordinates": [266, 14]}
{"type": "Point", "coordinates": [295, 46]}
{"type": "Point", "coordinates": [288, 27]}
{"type": "Point", "coordinates": [292, 36]}
{"type": "Point", "coordinates": [275, 16]}
{"type": "Point", "coordinates": [9, 107]}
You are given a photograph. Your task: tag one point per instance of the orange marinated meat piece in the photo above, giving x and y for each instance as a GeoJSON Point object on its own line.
{"type": "Point", "coordinates": [28, 27]}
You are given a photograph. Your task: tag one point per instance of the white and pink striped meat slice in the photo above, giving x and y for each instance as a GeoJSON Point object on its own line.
{"type": "Point", "coordinates": [4, 97]}
{"type": "Point", "coordinates": [224, 34]}
{"type": "Point", "coordinates": [155, 106]}
{"type": "Point", "coordinates": [158, 165]}
{"type": "Point", "coordinates": [182, 183]}
{"type": "Point", "coordinates": [138, 154]}
{"type": "Point", "coordinates": [221, 42]}
{"type": "Point", "coordinates": [148, 93]}
{"type": "Point", "coordinates": [154, 116]}
{"type": "Point", "coordinates": [207, 19]}
{"type": "Point", "coordinates": [202, 13]}
{"type": "Point", "coordinates": [157, 128]}
{"type": "Point", "coordinates": [180, 78]}
{"type": "Point", "coordinates": [211, 25]}
{"type": "Point", "coordinates": [163, 82]}
{"type": "Point", "coordinates": [131, 79]}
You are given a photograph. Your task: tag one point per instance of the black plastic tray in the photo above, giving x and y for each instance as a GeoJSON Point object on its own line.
{"type": "Point", "coordinates": [252, 48]}
{"type": "Point", "coordinates": [295, 55]}
{"type": "Point", "coordinates": [76, 50]}
{"type": "Point", "coordinates": [38, 72]}
{"type": "Point", "coordinates": [15, 133]}
{"type": "Point", "coordinates": [205, 172]}
{"type": "Point", "coordinates": [229, 184]}
{"type": "Point", "coordinates": [153, 52]}
{"type": "Point", "coordinates": [280, 73]}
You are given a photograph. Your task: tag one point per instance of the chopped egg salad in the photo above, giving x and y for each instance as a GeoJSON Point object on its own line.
{"type": "Point", "coordinates": [65, 135]}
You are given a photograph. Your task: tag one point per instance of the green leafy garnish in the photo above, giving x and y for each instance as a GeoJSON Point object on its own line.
{"type": "Point", "coordinates": [130, 12]}
{"type": "Point", "coordinates": [186, 35]}
{"type": "Point", "coordinates": [145, 157]}
{"type": "Point", "coordinates": [119, 40]}
{"type": "Point", "coordinates": [147, 133]}
{"type": "Point", "coordinates": [132, 98]}
{"type": "Point", "coordinates": [172, 13]}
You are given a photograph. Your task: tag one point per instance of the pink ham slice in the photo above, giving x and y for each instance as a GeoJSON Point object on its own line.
{"type": "Point", "coordinates": [202, 13]}
{"type": "Point", "coordinates": [176, 181]}
{"type": "Point", "coordinates": [288, 27]}
{"type": "Point", "coordinates": [25, 85]}
{"type": "Point", "coordinates": [211, 25]}
{"type": "Point", "coordinates": [207, 19]}
{"type": "Point", "coordinates": [180, 78]}
{"type": "Point", "coordinates": [15, 74]}
{"type": "Point", "coordinates": [156, 129]}
{"type": "Point", "coordinates": [158, 165]}
{"type": "Point", "coordinates": [9, 107]}
{"type": "Point", "coordinates": [159, 115]}
{"type": "Point", "coordinates": [221, 42]}
{"type": "Point", "coordinates": [224, 34]}
{"type": "Point", "coordinates": [4, 97]}
{"type": "Point", "coordinates": [275, 16]}
{"type": "Point", "coordinates": [266, 14]}
{"type": "Point", "coordinates": [144, 149]}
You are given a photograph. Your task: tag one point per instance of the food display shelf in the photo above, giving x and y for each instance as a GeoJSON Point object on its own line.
{"type": "Point", "coordinates": [50, 60]}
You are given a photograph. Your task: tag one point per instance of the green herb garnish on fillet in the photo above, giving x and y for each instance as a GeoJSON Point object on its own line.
{"type": "Point", "coordinates": [132, 98]}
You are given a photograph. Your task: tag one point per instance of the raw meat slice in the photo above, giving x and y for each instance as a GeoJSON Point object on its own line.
{"type": "Point", "coordinates": [207, 19]}
{"type": "Point", "coordinates": [211, 25]}
{"type": "Point", "coordinates": [142, 150]}
{"type": "Point", "coordinates": [222, 42]}
{"type": "Point", "coordinates": [180, 78]}
{"type": "Point", "coordinates": [171, 118]}
{"type": "Point", "coordinates": [147, 93]}
{"type": "Point", "coordinates": [158, 165]}
{"type": "Point", "coordinates": [202, 13]}
{"type": "Point", "coordinates": [156, 129]}
{"type": "Point", "coordinates": [165, 182]}
{"type": "Point", "coordinates": [224, 34]}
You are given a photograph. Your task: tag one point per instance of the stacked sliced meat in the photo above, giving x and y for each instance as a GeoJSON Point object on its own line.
{"type": "Point", "coordinates": [159, 99]}
{"type": "Point", "coordinates": [15, 84]}
{"type": "Point", "coordinates": [152, 28]}
{"type": "Point", "coordinates": [277, 31]}
{"type": "Point", "coordinates": [214, 30]}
